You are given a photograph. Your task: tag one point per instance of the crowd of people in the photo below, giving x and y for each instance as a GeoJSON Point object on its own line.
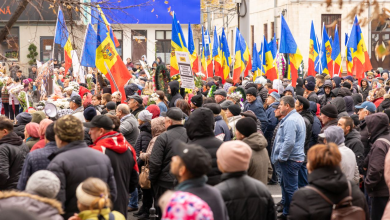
{"type": "Point", "coordinates": [202, 153]}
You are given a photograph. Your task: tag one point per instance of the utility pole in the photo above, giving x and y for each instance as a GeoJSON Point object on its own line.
{"type": "Point", "coordinates": [244, 20]}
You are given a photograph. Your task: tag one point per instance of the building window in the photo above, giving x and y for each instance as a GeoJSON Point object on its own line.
{"type": "Point", "coordinates": [272, 29]}
{"type": "Point", "coordinates": [327, 20]}
{"type": "Point", "coordinates": [10, 47]}
{"type": "Point", "coordinates": [119, 36]}
{"type": "Point", "coordinates": [163, 45]}
{"type": "Point", "coordinates": [266, 32]}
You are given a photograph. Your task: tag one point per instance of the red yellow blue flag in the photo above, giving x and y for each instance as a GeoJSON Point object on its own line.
{"type": "Point", "coordinates": [313, 52]}
{"type": "Point", "coordinates": [62, 38]}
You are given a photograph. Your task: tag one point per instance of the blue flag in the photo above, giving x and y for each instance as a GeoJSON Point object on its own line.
{"type": "Point", "coordinates": [89, 49]}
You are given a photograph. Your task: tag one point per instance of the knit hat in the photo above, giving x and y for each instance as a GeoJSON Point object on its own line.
{"type": "Point", "coordinates": [246, 126]}
{"type": "Point", "coordinates": [221, 92]}
{"type": "Point", "coordinates": [330, 111]}
{"type": "Point", "coordinates": [42, 127]}
{"type": "Point", "coordinates": [68, 128]}
{"type": "Point", "coordinates": [145, 115]}
{"type": "Point", "coordinates": [23, 118]}
{"type": "Point", "coordinates": [44, 183]}
{"type": "Point", "coordinates": [347, 85]}
{"type": "Point", "coordinates": [276, 96]}
{"type": "Point", "coordinates": [154, 109]}
{"type": "Point", "coordinates": [32, 129]}
{"type": "Point", "coordinates": [234, 109]}
{"type": "Point", "coordinates": [310, 86]}
{"type": "Point", "coordinates": [234, 156]}
{"type": "Point", "coordinates": [111, 105]}
{"type": "Point", "coordinates": [197, 100]}
{"type": "Point", "coordinates": [89, 113]}
{"type": "Point", "coordinates": [251, 91]}
{"type": "Point", "coordinates": [38, 116]}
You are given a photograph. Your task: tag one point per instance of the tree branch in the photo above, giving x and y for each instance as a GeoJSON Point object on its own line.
{"type": "Point", "coordinates": [5, 31]}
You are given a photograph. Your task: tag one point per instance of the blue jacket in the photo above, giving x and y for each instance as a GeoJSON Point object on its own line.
{"type": "Point", "coordinates": [290, 139]}
{"type": "Point", "coordinates": [272, 122]}
{"type": "Point", "coordinates": [35, 161]}
{"type": "Point", "coordinates": [257, 108]}
{"type": "Point", "coordinates": [221, 127]}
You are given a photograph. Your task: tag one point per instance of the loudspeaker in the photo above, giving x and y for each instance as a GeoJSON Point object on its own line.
{"type": "Point", "coordinates": [51, 110]}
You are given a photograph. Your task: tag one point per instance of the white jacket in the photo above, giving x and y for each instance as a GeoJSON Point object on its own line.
{"type": "Point", "coordinates": [232, 124]}
{"type": "Point", "coordinates": [348, 163]}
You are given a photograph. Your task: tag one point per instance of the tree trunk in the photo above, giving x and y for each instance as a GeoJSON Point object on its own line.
{"type": "Point", "coordinates": [21, 7]}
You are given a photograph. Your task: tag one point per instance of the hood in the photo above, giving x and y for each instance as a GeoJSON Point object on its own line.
{"type": "Point", "coordinates": [289, 88]}
{"type": "Point", "coordinates": [23, 118]}
{"type": "Point", "coordinates": [339, 103]}
{"type": "Point", "coordinates": [299, 82]}
{"type": "Point", "coordinates": [131, 89]}
{"type": "Point", "coordinates": [328, 83]}
{"type": "Point", "coordinates": [174, 85]}
{"type": "Point", "coordinates": [145, 127]}
{"type": "Point", "coordinates": [12, 138]}
{"type": "Point", "coordinates": [161, 62]}
{"type": "Point", "coordinates": [256, 141]}
{"type": "Point", "coordinates": [113, 141]}
{"type": "Point", "coordinates": [349, 104]}
{"type": "Point", "coordinates": [330, 179]}
{"type": "Point", "coordinates": [313, 107]}
{"type": "Point", "coordinates": [366, 80]}
{"type": "Point", "coordinates": [200, 128]}
{"type": "Point", "coordinates": [158, 126]}
{"type": "Point", "coordinates": [307, 114]}
{"type": "Point", "coordinates": [337, 81]}
{"type": "Point", "coordinates": [334, 92]}
{"type": "Point", "coordinates": [377, 124]}
{"type": "Point", "coordinates": [385, 103]}
{"type": "Point", "coordinates": [353, 135]}
{"type": "Point", "coordinates": [357, 98]}
{"type": "Point", "coordinates": [344, 92]}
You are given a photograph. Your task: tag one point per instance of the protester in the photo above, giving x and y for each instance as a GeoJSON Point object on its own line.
{"type": "Point", "coordinates": [31, 134]}
{"type": "Point", "coordinates": [221, 129]}
{"type": "Point", "coordinates": [196, 101]}
{"type": "Point", "coordinates": [255, 105]}
{"type": "Point", "coordinates": [74, 162]}
{"type": "Point", "coordinates": [328, 116]}
{"type": "Point", "coordinates": [135, 105]}
{"type": "Point", "coordinates": [262, 92]}
{"type": "Point", "coordinates": [21, 120]}
{"type": "Point", "coordinates": [110, 107]}
{"type": "Point", "coordinates": [233, 115]}
{"type": "Point", "coordinates": [129, 124]}
{"type": "Point", "coordinates": [220, 96]}
{"type": "Point", "coordinates": [145, 135]}
{"type": "Point", "coordinates": [365, 109]}
{"type": "Point", "coordinates": [154, 109]}
{"type": "Point", "coordinates": [42, 129]}
{"type": "Point", "coordinates": [173, 89]}
{"type": "Point", "coordinates": [161, 102]}
{"type": "Point", "coordinates": [323, 164]}
{"type": "Point", "coordinates": [326, 98]}
{"type": "Point", "coordinates": [233, 159]}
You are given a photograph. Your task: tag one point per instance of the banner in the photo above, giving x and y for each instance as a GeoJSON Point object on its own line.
{"type": "Point", "coordinates": [185, 71]}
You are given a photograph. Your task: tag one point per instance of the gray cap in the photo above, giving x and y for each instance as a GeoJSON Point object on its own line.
{"type": "Point", "coordinates": [226, 104]}
{"type": "Point", "coordinates": [175, 113]}
{"type": "Point", "coordinates": [221, 92]}
{"type": "Point", "coordinates": [44, 183]}
{"type": "Point", "coordinates": [333, 134]}
{"type": "Point", "coordinates": [136, 98]}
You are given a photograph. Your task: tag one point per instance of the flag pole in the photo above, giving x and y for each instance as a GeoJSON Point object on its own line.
{"type": "Point", "coordinates": [55, 33]}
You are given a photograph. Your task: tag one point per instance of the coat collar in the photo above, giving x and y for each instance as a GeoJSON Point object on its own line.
{"type": "Point", "coordinates": [70, 146]}
{"type": "Point", "coordinates": [192, 183]}
{"type": "Point", "coordinates": [226, 176]}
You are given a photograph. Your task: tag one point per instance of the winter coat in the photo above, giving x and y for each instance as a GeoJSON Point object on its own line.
{"type": "Point", "coordinates": [300, 90]}
{"type": "Point", "coordinates": [129, 128]}
{"type": "Point", "coordinates": [378, 101]}
{"type": "Point", "coordinates": [320, 91]}
{"type": "Point", "coordinates": [73, 164]}
{"type": "Point", "coordinates": [22, 120]}
{"type": "Point", "coordinates": [31, 141]}
{"type": "Point", "coordinates": [160, 158]}
{"type": "Point", "coordinates": [290, 139]}
{"type": "Point", "coordinates": [12, 155]}
{"type": "Point", "coordinates": [207, 193]}
{"type": "Point", "coordinates": [222, 128]}
{"type": "Point", "coordinates": [262, 93]}
{"type": "Point", "coordinates": [272, 122]}
{"type": "Point", "coordinates": [352, 141]}
{"type": "Point", "coordinates": [245, 197]}
{"type": "Point", "coordinates": [365, 91]}
{"type": "Point", "coordinates": [44, 208]}
{"type": "Point", "coordinates": [375, 183]}
{"type": "Point", "coordinates": [135, 112]}
{"type": "Point", "coordinates": [337, 81]}
{"type": "Point", "coordinates": [174, 86]}
{"type": "Point", "coordinates": [313, 97]}
{"type": "Point", "coordinates": [324, 99]}
{"type": "Point", "coordinates": [384, 105]}
{"type": "Point", "coordinates": [232, 124]}
{"type": "Point", "coordinates": [309, 120]}
{"type": "Point", "coordinates": [340, 105]}
{"type": "Point", "coordinates": [144, 138]}
{"type": "Point", "coordinates": [35, 161]}
{"type": "Point", "coordinates": [349, 105]}
{"type": "Point", "coordinates": [386, 214]}
{"type": "Point", "coordinates": [201, 132]}
{"type": "Point", "coordinates": [257, 108]}
{"type": "Point", "coordinates": [123, 164]}
{"type": "Point", "coordinates": [357, 98]}
{"type": "Point", "coordinates": [307, 204]}
{"type": "Point", "coordinates": [316, 128]}
{"type": "Point", "coordinates": [93, 214]}
{"type": "Point", "coordinates": [87, 137]}
{"type": "Point", "coordinates": [327, 125]}
{"type": "Point", "coordinates": [343, 92]}
{"type": "Point", "coordinates": [364, 137]}
{"type": "Point", "coordinates": [158, 127]}
{"type": "Point", "coordinates": [259, 164]}
{"type": "Point", "coordinates": [348, 163]}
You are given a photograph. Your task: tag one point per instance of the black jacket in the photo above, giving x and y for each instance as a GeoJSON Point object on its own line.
{"type": "Point", "coordinates": [138, 110]}
{"type": "Point", "coordinates": [352, 141]}
{"type": "Point", "coordinates": [174, 85]}
{"type": "Point", "coordinates": [365, 91]}
{"type": "Point", "coordinates": [309, 119]}
{"type": "Point", "coordinates": [313, 97]}
{"type": "Point", "coordinates": [12, 155]}
{"type": "Point", "coordinates": [201, 132]}
{"type": "Point", "coordinates": [144, 138]}
{"type": "Point", "coordinates": [385, 104]}
{"type": "Point", "coordinates": [245, 197]}
{"type": "Point", "coordinates": [299, 89]}
{"type": "Point", "coordinates": [160, 158]}
{"type": "Point", "coordinates": [263, 93]}
{"type": "Point", "coordinates": [364, 137]}
{"type": "Point", "coordinates": [307, 204]}
{"type": "Point", "coordinates": [73, 164]}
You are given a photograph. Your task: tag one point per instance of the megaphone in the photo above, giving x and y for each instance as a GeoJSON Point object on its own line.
{"type": "Point", "coordinates": [51, 110]}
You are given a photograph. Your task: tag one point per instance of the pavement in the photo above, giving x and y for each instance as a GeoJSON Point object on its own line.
{"type": "Point", "coordinates": [274, 189]}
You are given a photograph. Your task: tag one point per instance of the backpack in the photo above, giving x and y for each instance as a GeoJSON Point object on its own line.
{"type": "Point", "coordinates": [344, 210]}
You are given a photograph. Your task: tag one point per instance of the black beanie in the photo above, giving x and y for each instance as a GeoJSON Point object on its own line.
{"type": "Point", "coordinates": [246, 126]}
{"type": "Point", "coordinates": [329, 110]}
{"type": "Point", "coordinates": [347, 85]}
{"type": "Point", "coordinates": [251, 91]}
{"type": "Point", "coordinates": [235, 110]}
{"type": "Point", "coordinates": [197, 100]}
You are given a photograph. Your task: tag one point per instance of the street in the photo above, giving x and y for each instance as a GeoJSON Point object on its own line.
{"type": "Point", "coordinates": [275, 191]}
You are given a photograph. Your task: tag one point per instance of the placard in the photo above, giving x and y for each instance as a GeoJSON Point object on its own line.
{"type": "Point", "coordinates": [185, 70]}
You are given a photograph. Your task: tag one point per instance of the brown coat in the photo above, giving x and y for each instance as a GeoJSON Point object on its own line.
{"type": "Point", "coordinates": [386, 214]}
{"type": "Point", "coordinates": [158, 127]}
{"type": "Point", "coordinates": [260, 165]}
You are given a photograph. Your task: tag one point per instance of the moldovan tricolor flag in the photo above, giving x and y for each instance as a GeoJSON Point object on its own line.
{"type": "Point", "coordinates": [239, 64]}
{"type": "Point", "coordinates": [245, 55]}
{"type": "Point", "coordinates": [288, 45]}
{"type": "Point", "coordinates": [313, 52]}
{"type": "Point", "coordinates": [216, 55]}
{"type": "Point", "coordinates": [192, 51]}
{"type": "Point", "coordinates": [62, 38]}
{"type": "Point", "coordinates": [256, 63]}
{"type": "Point", "coordinates": [108, 60]}
{"type": "Point", "coordinates": [226, 59]}
{"type": "Point", "coordinates": [336, 54]}
{"type": "Point", "coordinates": [361, 61]}
{"type": "Point", "coordinates": [348, 56]}
{"type": "Point", "coordinates": [178, 43]}
{"type": "Point", "coordinates": [326, 51]}
{"type": "Point", "coordinates": [268, 61]}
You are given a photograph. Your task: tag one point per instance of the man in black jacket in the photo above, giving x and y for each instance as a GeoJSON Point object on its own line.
{"type": "Point", "coordinates": [135, 105]}
{"type": "Point", "coordinates": [160, 158]}
{"type": "Point", "coordinates": [74, 162]}
{"type": "Point", "coordinates": [12, 155]}
{"type": "Point", "coordinates": [201, 132]}
{"type": "Point", "coordinates": [245, 197]}
{"type": "Point", "coordinates": [190, 165]}
{"type": "Point", "coordinates": [22, 120]}
{"type": "Point", "coordinates": [120, 153]}
{"type": "Point", "coordinates": [173, 89]}
{"type": "Point", "coordinates": [352, 140]}
{"type": "Point", "coordinates": [365, 109]}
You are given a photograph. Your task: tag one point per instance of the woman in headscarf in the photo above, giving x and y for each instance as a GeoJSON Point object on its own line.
{"type": "Point", "coordinates": [42, 129]}
{"type": "Point", "coordinates": [31, 134]}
